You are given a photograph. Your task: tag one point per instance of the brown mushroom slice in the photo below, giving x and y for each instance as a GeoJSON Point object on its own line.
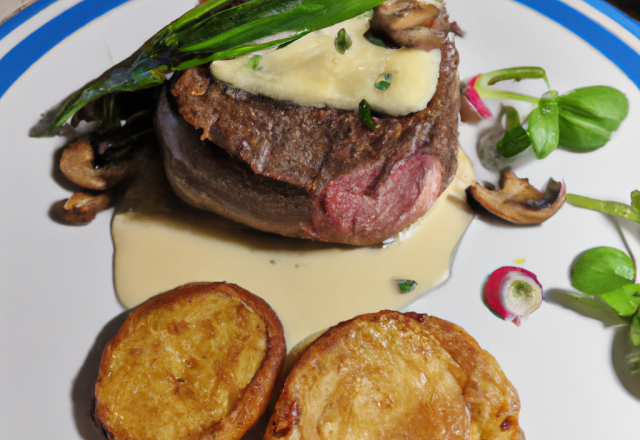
{"type": "Point", "coordinates": [198, 362]}
{"type": "Point", "coordinates": [413, 23]}
{"type": "Point", "coordinates": [82, 207]}
{"type": "Point", "coordinates": [77, 163]}
{"type": "Point", "coordinates": [519, 202]}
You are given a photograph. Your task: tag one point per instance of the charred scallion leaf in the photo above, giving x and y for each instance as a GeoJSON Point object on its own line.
{"type": "Point", "coordinates": [364, 113]}
{"type": "Point", "coordinates": [342, 41]}
{"type": "Point", "coordinates": [202, 35]}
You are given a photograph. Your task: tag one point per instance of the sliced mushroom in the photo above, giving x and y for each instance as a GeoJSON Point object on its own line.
{"type": "Point", "coordinates": [412, 23]}
{"type": "Point", "coordinates": [518, 201]}
{"type": "Point", "coordinates": [82, 207]}
{"type": "Point", "coordinates": [77, 163]}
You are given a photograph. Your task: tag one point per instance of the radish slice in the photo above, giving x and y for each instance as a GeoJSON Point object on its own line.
{"type": "Point", "coordinates": [474, 99]}
{"type": "Point", "coordinates": [513, 293]}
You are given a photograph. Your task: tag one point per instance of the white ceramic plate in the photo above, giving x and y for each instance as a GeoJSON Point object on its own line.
{"type": "Point", "coordinates": [56, 289]}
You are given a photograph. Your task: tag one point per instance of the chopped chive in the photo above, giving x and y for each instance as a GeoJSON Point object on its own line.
{"type": "Point", "coordinates": [406, 286]}
{"type": "Point", "coordinates": [385, 83]}
{"type": "Point", "coordinates": [255, 62]}
{"type": "Point", "coordinates": [342, 41]}
{"type": "Point", "coordinates": [364, 113]}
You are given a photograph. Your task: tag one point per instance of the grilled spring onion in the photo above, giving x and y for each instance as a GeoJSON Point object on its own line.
{"type": "Point", "coordinates": [202, 35]}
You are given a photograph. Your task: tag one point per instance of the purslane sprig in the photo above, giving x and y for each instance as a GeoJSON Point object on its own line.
{"type": "Point", "coordinates": [207, 33]}
{"type": "Point", "coordinates": [580, 120]}
{"type": "Point", "coordinates": [609, 274]}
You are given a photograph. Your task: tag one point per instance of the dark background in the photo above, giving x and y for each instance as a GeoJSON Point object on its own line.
{"type": "Point", "coordinates": [631, 7]}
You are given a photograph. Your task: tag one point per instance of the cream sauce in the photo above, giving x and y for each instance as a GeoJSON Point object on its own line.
{"type": "Point", "coordinates": [310, 285]}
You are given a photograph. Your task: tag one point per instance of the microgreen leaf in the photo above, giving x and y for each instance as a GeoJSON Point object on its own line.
{"type": "Point", "coordinates": [600, 102]}
{"type": "Point", "coordinates": [634, 331]}
{"type": "Point", "coordinates": [589, 115]}
{"type": "Point", "coordinates": [601, 270]}
{"type": "Point", "coordinates": [624, 300]}
{"type": "Point", "coordinates": [635, 201]}
{"type": "Point", "coordinates": [342, 41]}
{"type": "Point", "coordinates": [543, 125]}
{"type": "Point", "coordinates": [516, 139]}
{"type": "Point", "coordinates": [629, 212]}
{"type": "Point", "coordinates": [364, 113]}
{"type": "Point", "coordinates": [406, 286]}
{"type": "Point", "coordinates": [384, 83]}
{"type": "Point", "coordinates": [255, 62]}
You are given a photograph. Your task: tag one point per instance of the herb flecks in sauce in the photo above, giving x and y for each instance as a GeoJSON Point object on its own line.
{"type": "Point", "coordinates": [406, 286]}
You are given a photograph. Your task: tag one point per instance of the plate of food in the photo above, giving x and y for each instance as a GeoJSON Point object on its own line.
{"type": "Point", "coordinates": [301, 169]}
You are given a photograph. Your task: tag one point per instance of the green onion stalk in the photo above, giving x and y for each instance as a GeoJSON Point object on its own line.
{"type": "Point", "coordinates": [207, 33]}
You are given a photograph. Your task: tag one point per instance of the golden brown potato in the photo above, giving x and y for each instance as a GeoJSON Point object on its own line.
{"type": "Point", "coordinates": [391, 375]}
{"type": "Point", "coordinates": [193, 363]}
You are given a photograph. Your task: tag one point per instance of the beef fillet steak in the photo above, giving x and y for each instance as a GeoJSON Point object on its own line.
{"type": "Point", "coordinates": [308, 172]}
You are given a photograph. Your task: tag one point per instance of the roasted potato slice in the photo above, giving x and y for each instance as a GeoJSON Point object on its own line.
{"type": "Point", "coordinates": [391, 375]}
{"type": "Point", "coordinates": [197, 362]}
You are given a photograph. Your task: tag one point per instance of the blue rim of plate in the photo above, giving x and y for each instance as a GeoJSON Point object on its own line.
{"type": "Point", "coordinates": [24, 54]}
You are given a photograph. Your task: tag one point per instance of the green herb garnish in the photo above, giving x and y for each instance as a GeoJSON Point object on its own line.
{"type": "Point", "coordinates": [406, 286]}
{"type": "Point", "coordinates": [610, 275]}
{"type": "Point", "coordinates": [516, 139]}
{"type": "Point", "coordinates": [583, 119]}
{"type": "Point", "coordinates": [342, 41]}
{"type": "Point", "coordinates": [629, 212]}
{"type": "Point", "coordinates": [384, 83]}
{"type": "Point", "coordinates": [254, 61]}
{"type": "Point", "coordinates": [364, 113]}
{"type": "Point", "coordinates": [203, 35]}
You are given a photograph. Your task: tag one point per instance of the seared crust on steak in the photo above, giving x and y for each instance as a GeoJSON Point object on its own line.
{"type": "Point", "coordinates": [310, 147]}
{"type": "Point", "coordinates": [193, 363]}
{"type": "Point", "coordinates": [396, 376]}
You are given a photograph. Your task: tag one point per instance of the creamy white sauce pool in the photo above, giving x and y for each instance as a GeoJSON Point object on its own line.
{"type": "Point", "coordinates": [312, 73]}
{"type": "Point", "coordinates": [310, 285]}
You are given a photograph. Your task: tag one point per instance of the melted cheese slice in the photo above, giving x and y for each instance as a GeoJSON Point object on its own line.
{"type": "Point", "coordinates": [312, 73]}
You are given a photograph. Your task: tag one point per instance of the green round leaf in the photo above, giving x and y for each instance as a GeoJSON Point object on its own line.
{"type": "Point", "coordinates": [602, 270]}
{"type": "Point", "coordinates": [624, 300]}
{"type": "Point", "coordinates": [544, 127]}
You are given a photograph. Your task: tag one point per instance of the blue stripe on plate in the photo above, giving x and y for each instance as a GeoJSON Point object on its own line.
{"type": "Point", "coordinates": [8, 26]}
{"type": "Point", "coordinates": [614, 13]}
{"type": "Point", "coordinates": [627, 59]}
{"type": "Point", "coordinates": [29, 50]}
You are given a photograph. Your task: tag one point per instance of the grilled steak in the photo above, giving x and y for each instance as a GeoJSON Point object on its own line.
{"type": "Point", "coordinates": [309, 172]}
